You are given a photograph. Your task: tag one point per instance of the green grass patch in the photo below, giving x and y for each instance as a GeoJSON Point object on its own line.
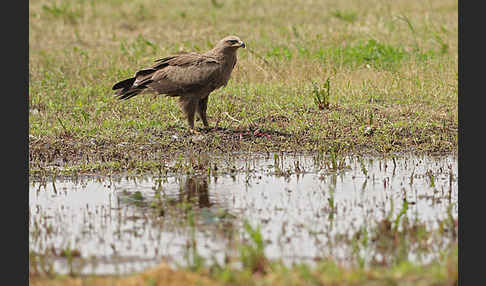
{"type": "Point", "coordinates": [347, 16]}
{"type": "Point", "coordinates": [385, 83]}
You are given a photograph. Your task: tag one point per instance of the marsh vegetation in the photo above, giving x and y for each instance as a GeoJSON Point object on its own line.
{"type": "Point", "coordinates": [338, 83]}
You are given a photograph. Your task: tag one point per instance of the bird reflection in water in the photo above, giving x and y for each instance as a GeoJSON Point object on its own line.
{"type": "Point", "coordinates": [195, 189]}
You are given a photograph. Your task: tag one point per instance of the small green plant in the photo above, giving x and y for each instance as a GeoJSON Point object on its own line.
{"type": "Point", "coordinates": [347, 16]}
{"type": "Point", "coordinates": [400, 215]}
{"type": "Point", "coordinates": [444, 47]}
{"type": "Point", "coordinates": [411, 28]}
{"type": "Point", "coordinates": [70, 254]}
{"type": "Point", "coordinates": [138, 48]}
{"type": "Point", "coordinates": [430, 175]}
{"type": "Point", "coordinates": [64, 11]}
{"type": "Point", "coordinates": [216, 4]}
{"type": "Point", "coordinates": [137, 196]}
{"type": "Point", "coordinates": [332, 205]}
{"type": "Point", "coordinates": [370, 53]}
{"type": "Point", "coordinates": [321, 94]}
{"type": "Point", "coordinates": [252, 254]}
{"type": "Point", "coordinates": [363, 167]}
{"type": "Point", "coordinates": [306, 274]}
{"type": "Point", "coordinates": [280, 52]}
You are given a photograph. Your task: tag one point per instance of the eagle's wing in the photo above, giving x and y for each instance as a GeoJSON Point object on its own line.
{"type": "Point", "coordinates": [179, 74]}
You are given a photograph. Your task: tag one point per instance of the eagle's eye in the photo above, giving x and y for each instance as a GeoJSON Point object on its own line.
{"type": "Point", "coordinates": [232, 41]}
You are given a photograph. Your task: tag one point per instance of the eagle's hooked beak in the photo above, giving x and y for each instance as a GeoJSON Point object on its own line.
{"type": "Point", "coordinates": [242, 44]}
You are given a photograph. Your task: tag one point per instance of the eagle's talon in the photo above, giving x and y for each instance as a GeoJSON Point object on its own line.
{"type": "Point", "coordinates": [194, 131]}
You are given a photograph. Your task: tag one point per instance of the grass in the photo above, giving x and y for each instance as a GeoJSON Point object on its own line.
{"type": "Point", "coordinates": [325, 77]}
{"type": "Point", "coordinates": [389, 242]}
{"type": "Point", "coordinates": [393, 249]}
{"type": "Point", "coordinates": [347, 16]}
{"type": "Point", "coordinates": [392, 71]}
{"type": "Point", "coordinates": [380, 256]}
{"type": "Point", "coordinates": [327, 273]}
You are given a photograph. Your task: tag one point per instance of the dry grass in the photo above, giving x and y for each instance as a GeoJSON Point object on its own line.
{"type": "Point", "coordinates": [325, 274]}
{"type": "Point", "coordinates": [392, 68]}
{"type": "Point", "coordinates": [160, 275]}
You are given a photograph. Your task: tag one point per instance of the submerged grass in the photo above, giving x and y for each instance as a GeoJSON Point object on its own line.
{"type": "Point", "coordinates": [251, 266]}
{"type": "Point", "coordinates": [256, 269]}
{"type": "Point", "coordinates": [391, 248]}
{"type": "Point", "coordinates": [366, 76]}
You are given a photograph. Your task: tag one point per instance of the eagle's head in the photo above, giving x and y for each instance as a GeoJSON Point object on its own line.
{"type": "Point", "coordinates": [230, 43]}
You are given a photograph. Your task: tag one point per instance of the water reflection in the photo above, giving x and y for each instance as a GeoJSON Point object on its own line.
{"type": "Point", "coordinates": [196, 188]}
{"type": "Point", "coordinates": [306, 209]}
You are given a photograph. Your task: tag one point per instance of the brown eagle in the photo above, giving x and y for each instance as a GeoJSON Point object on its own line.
{"type": "Point", "coordinates": [190, 76]}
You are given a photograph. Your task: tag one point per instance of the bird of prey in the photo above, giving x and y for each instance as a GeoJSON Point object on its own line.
{"type": "Point", "coordinates": [190, 76]}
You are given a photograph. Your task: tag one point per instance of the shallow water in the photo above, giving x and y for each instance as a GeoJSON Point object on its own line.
{"type": "Point", "coordinates": [305, 209]}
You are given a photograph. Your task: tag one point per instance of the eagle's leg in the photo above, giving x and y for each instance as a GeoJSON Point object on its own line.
{"type": "Point", "coordinates": [201, 111]}
{"type": "Point", "coordinates": [189, 105]}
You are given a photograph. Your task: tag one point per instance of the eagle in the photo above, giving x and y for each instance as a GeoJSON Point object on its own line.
{"type": "Point", "coordinates": [190, 77]}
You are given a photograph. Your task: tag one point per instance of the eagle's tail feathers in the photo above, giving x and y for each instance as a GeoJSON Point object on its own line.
{"type": "Point", "coordinates": [130, 93]}
{"type": "Point", "coordinates": [127, 83]}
